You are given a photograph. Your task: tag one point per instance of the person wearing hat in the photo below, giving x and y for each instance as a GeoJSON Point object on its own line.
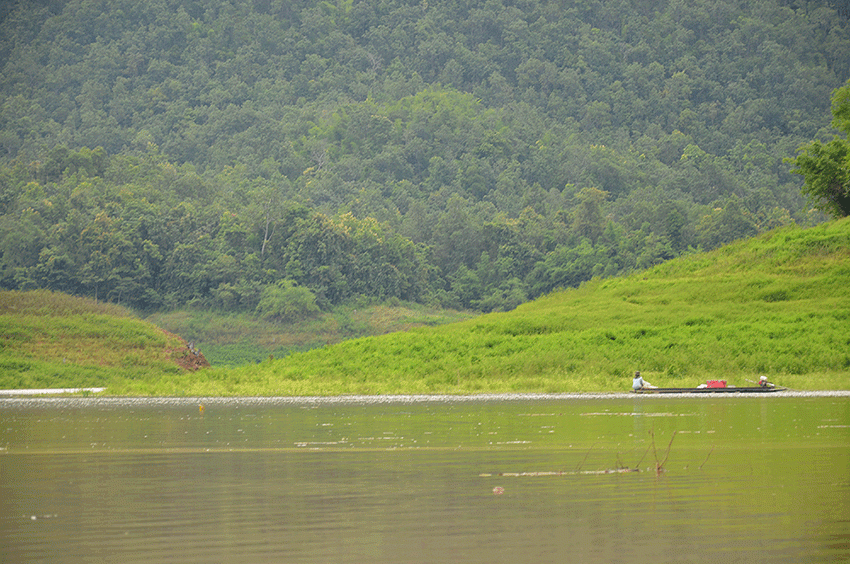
{"type": "Point", "coordinates": [764, 383]}
{"type": "Point", "coordinates": [639, 382]}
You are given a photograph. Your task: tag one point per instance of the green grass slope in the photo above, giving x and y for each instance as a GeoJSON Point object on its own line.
{"type": "Point", "coordinates": [244, 338]}
{"type": "Point", "coordinates": [777, 305]}
{"type": "Point", "coordinates": [52, 340]}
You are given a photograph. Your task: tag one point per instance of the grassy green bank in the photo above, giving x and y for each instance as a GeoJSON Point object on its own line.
{"type": "Point", "coordinates": [52, 340]}
{"type": "Point", "coordinates": [237, 339]}
{"type": "Point", "coordinates": [777, 305]}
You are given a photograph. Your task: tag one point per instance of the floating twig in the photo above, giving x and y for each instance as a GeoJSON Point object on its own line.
{"type": "Point", "coordinates": [706, 458]}
{"type": "Point", "coordinates": [667, 455]}
{"type": "Point", "coordinates": [559, 473]}
{"type": "Point", "coordinates": [659, 466]}
{"type": "Point", "coordinates": [580, 464]}
{"type": "Point", "coordinates": [654, 451]}
{"type": "Point", "coordinates": [642, 457]}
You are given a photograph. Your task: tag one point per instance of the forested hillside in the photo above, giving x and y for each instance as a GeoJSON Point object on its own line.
{"type": "Point", "coordinates": [283, 156]}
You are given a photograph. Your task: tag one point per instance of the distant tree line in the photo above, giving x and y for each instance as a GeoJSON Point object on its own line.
{"type": "Point", "coordinates": [142, 231]}
{"type": "Point", "coordinates": [473, 155]}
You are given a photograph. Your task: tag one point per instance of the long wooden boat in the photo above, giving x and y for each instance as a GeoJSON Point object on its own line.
{"type": "Point", "coordinates": [726, 390]}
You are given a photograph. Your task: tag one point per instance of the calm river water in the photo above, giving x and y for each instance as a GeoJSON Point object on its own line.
{"type": "Point", "coordinates": [568, 479]}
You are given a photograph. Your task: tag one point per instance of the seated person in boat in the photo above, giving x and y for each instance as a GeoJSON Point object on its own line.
{"type": "Point", "coordinates": [764, 383]}
{"type": "Point", "coordinates": [639, 382]}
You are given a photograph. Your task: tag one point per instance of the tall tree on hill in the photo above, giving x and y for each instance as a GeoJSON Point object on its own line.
{"type": "Point", "coordinates": [826, 167]}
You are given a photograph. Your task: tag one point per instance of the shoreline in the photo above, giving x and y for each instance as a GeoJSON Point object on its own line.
{"type": "Point", "coordinates": [9, 398]}
{"type": "Point", "coordinates": [51, 391]}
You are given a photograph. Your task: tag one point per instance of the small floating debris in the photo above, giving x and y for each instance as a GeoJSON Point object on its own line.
{"type": "Point", "coordinates": [318, 443]}
{"type": "Point", "coordinates": [638, 414]}
{"type": "Point", "coordinates": [559, 473]}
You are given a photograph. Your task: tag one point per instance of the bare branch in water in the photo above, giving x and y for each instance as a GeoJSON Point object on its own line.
{"type": "Point", "coordinates": [585, 458]}
{"type": "Point", "coordinates": [706, 458]}
{"type": "Point", "coordinates": [659, 466]}
{"type": "Point", "coordinates": [666, 456]}
{"type": "Point", "coordinates": [642, 457]}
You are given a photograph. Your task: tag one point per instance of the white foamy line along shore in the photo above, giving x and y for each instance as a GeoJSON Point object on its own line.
{"type": "Point", "coordinates": [112, 401]}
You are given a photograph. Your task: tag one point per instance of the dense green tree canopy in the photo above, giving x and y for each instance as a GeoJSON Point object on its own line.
{"type": "Point", "coordinates": [826, 166]}
{"type": "Point", "coordinates": [473, 154]}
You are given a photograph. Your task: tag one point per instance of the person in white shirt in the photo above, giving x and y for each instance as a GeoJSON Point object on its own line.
{"type": "Point", "coordinates": [639, 382]}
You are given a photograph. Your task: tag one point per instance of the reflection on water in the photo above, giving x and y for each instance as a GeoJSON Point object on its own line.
{"type": "Point", "coordinates": [742, 480]}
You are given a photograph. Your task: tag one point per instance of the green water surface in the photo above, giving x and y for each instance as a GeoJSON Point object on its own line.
{"type": "Point", "coordinates": [727, 479]}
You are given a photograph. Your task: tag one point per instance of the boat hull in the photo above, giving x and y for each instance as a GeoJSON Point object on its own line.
{"type": "Point", "coordinates": [726, 390]}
